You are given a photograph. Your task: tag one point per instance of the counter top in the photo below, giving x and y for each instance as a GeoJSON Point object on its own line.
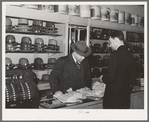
{"type": "Point", "coordinates": [87, 103]}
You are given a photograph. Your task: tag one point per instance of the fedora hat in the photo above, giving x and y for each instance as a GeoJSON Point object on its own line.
{"type": "Point", "coordinates": [81, 48]}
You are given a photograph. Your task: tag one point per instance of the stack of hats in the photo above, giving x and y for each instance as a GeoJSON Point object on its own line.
{"type": "Point", "coordinates": [129, 47]}
{"type": "Point", "coordinates": [105, 34]}
{"type": "Point", "coordinates": [45, 78]}
{"type": "Point", "coordinates": [95, 73]}
{"type": "Point", "coordinates": [97, 61]}
{"type": "Point", "coordinates": [96, 34]}
{"type": "Point", "coordinates": [105, 60]}
{"type": "Point", "coordinates": [39, 45]}
{"type": "Point", "coordinates": [105, 47]}
{"type": "Point", "coordinates": [9, 24]}
{"type": "Point", "coordinates": [129, 37]}
{"type": "Point", "coordinates": [52, 45]}
{"type": "Point", "coordinates": [104, 71]}
{"type": "Point", "coordinates": [51, 63]}
{"type": "Point", "coordinates": [26, 43]}
{"type": "Point", "coordinates": [39, 64]}
{"type": "Point", "coordinates": [96, 48]}
{"type": "Point", "coordinates": [8, 63]}
{"type": "Point", "coordinates": [24, 64]}
{"type": "Point", "coordinates": [11, 43]}
{"type": "Point", "coordinates": [37, 26]}
{"type": "Point", "coordinates": [23, 25]}
{"type": "Point", "coordinates": [50, 28]}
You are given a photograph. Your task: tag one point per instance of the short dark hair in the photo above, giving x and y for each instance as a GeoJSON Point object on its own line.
{"type": "Point", "coordinates": [118, 34]}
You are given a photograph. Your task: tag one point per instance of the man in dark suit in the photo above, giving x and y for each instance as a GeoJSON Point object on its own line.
{"type": "Point", "coordinates": [72, 71]}
{"type": "Point", "coordinates": [121, 74]}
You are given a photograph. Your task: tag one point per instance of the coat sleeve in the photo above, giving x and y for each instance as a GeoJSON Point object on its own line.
{"type": "Point", "coordinates": [55, 75]}
{"type": "Point", "coordinates": [111, 75]}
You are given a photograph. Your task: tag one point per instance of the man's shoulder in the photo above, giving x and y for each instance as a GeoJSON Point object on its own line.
{"type": "Point", "coordinates": [63, 58]}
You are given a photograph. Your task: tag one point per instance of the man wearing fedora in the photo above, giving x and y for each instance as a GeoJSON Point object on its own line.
{"type": "Point", "coordinates": [72, 71]}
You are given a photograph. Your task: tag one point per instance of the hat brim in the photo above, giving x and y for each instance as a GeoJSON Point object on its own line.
{"type": "Point", "coordinates": [80, 53]}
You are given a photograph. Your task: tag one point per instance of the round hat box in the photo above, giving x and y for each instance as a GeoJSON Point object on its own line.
{"type": "Point", "coordinates": [127, 18]}
{"type": "Point", "coordinates": [61, 9]}
{"type": "Point", "coordinates": [105, 14]}
{"type": "Point", "coordinates": [121, 17]}
{"type": "Point", "coordinates": [85, 11]}
{"type": "Point", "coordinates": [141, 22]}
{"type": "Point", "coordinates": [74, 10]}
{"type": "Point", "coordinates": [134, 20]}
{"type": "Point", "coordinates": [114, 15]}
{"type": "Point", "coordinates": [95, 12]}
{"type": "Point", "coordinates": [48, 8]}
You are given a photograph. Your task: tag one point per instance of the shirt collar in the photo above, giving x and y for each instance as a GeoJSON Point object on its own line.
{"type": "Point", "coordinates": [119, 46]}
{"type": "Point", "coordinates": [74, 59]}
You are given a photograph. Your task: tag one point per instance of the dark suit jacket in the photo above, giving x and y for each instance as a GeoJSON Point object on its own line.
{"type": "Point", "coordinates": [66, 74]}
{"type": "Point", "coordinates": [119, 79]}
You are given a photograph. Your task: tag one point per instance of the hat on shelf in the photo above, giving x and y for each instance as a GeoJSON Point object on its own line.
{"type": "Point", "coordinates": [50, 28]}
{"type": "Point", "coordinates": [24, 64]}
{"type": "Point", "coordinates": [9, 24]}
{"type": "Point", "coordinates": [26, 43]}
{"type": "Point", "coordinates": [10, 39]}
{"type": "Point", "coordinates": [51, 63]}
{"type": "Point", "coordinates": [8, 63]}
{"type": "Point", "coordinates": [97, 47]}
{"type": "Point", "coordinates": [81, 48]}
{"type": "Point", "coordinates": [105, 34]}
{"type": "Point", "coordinates": [52, 45]}
{"type": "Point", "coordinates": [39, 44]}
{"type": "Point", "coordinates": [98, 62]}
{"type": "Point", "coordinates": [104, 71]}
{"type": "Point", "coordinates": [96, 72]}
{"type": "Point", "coordinates": [11, 43]}
{"type": "Point", "coordinates": [45, 78]}
{"type": "Point", "coordinates": [105, 60]}
{"type": "Point", "coordinates": [39, 64]}
{"type": "Point", "coordinates": [23, 25]}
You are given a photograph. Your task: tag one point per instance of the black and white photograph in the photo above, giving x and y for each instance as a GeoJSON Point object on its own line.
{"type": "Point", "coordinates": [74, 60]}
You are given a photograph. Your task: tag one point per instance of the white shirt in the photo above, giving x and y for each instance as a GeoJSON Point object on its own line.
{"type": "Point", "coordinates": [75, 59]}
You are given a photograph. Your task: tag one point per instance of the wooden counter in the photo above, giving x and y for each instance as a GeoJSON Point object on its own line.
{"type": "Point", "coordinates": [97, 104]}
{"type": "Point", "coordinates": [137, 102]}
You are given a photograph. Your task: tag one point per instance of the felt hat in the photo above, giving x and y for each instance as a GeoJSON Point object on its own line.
{"type": "Point", "coordinates": [81, 48]}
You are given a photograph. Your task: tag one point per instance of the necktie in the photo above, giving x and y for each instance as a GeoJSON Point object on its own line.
{"type": "Point", "coordinates": [78, 65]}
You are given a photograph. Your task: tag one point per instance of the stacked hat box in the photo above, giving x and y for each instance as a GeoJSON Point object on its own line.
{"type": "Point", "coordinates": [97, 12]}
